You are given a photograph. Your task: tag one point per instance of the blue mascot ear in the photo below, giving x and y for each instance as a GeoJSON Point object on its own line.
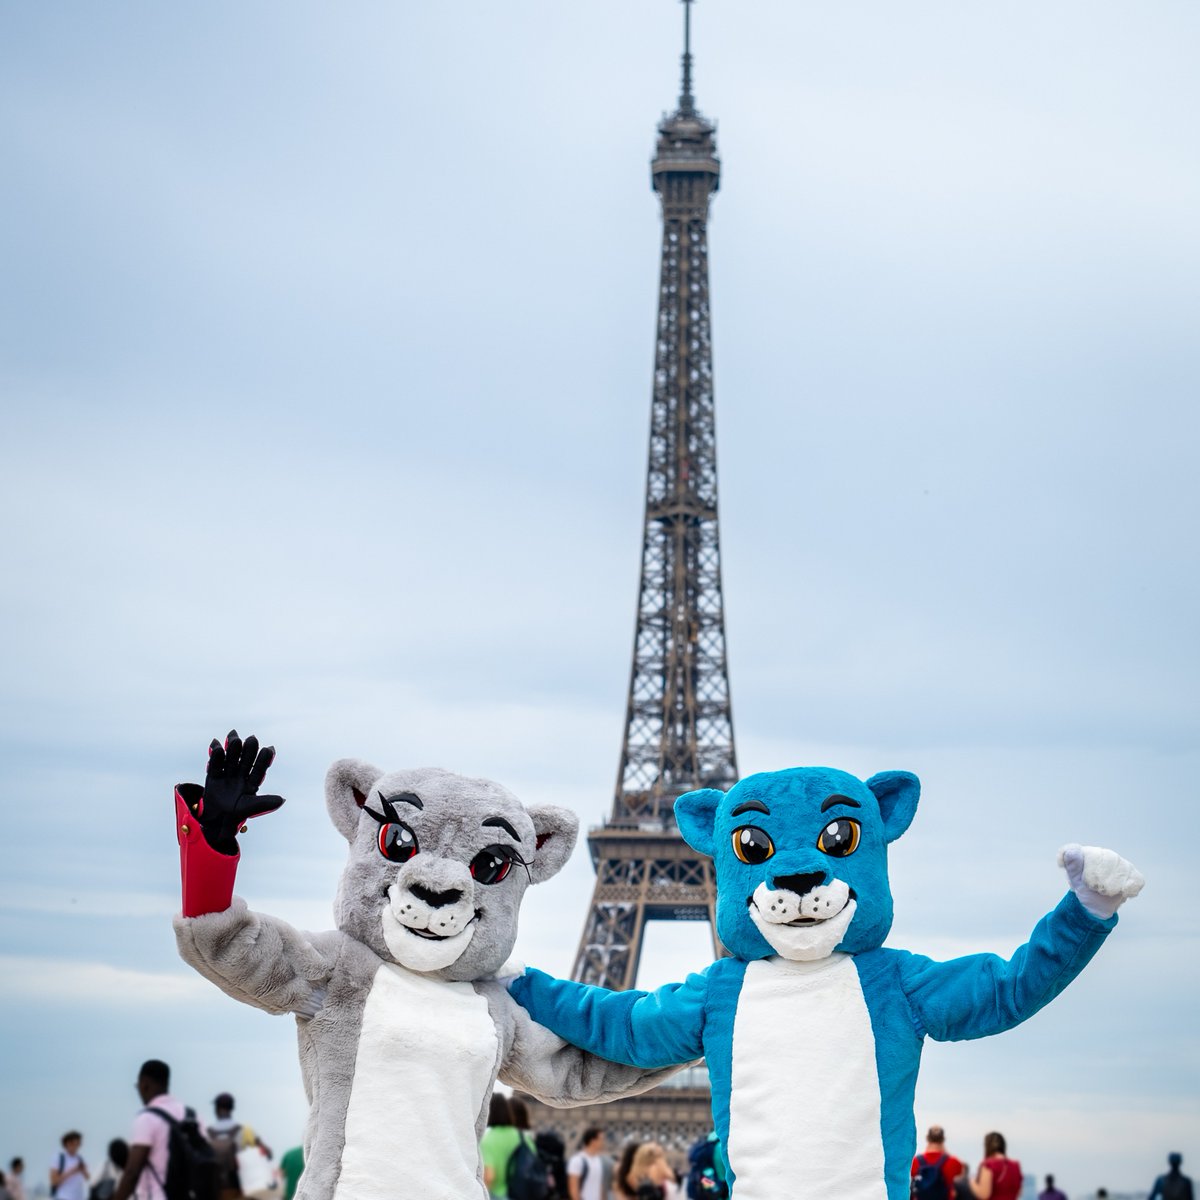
{"type": "Point", "coordinates": [695, 814]}
{"type": "Point", "coordinates": [897, 793]}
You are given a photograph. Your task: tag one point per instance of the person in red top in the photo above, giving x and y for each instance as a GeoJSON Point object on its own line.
{"type": "Point", "coordinates": [998, 1177]}
{"type": "Point", "coordinates": [935, 1148]}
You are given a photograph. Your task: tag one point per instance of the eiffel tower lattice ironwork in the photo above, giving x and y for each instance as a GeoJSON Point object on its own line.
{"type": "Point", "coordinates": [678, 720]}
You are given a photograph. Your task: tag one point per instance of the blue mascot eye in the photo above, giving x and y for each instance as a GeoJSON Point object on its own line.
{"type": "Point", "coordinates": [397, 842]}
{"type": "Point", "coordinates": [491, 864]}
{"type": "Point", "coordinates": [752, 845]}
{"type": "Point", "coordinates": [840, 838]}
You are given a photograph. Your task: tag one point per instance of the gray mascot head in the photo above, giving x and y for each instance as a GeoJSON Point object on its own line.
{"type": "Point", "coordinates": [438, 865]}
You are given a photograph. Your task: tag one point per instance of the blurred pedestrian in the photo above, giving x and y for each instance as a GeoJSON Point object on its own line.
{"type": "Point", "coordinates": [589, 1173]}
{"type": "Point", "coordinates": [1050, 1192]}
{"type": "Point", "coordinates": [14, 1179]}
{"type": "Point", "coordinates": [229, 1137]}
{"type": "Point", "coordinates": [1174, 1185]}
{"type": "Point", "coordinates": [145, 1173]}
{"type": "Point", "coordinates": [651, 1176]}
{"type": "Point", "coordinates": [554, 1154]}
{"type": "Point", "coordinates": [292, 1166]}
{"type": "Point", "coordinates": [934, 1171]}
{"type": "Point", "coordinates": [998, 1177]}
{"type": "Point", "coordinates": [68, 1171]}
{"type": "Point", "coordinates": [110, 1173]}
{"type": "Point", "coordinates": [499, 1140]}
{"type": "Point", "coordinates": [622, 1188]}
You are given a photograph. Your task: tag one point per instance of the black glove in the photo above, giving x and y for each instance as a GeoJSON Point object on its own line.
{"type": "Point", "coordinates": [230, 798]}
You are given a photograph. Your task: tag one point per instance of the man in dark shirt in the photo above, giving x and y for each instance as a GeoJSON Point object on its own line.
{"type": "Point", "coordinates": [1174, 1185]}
{"type": "Point", "coordinates": [1050, 1192]}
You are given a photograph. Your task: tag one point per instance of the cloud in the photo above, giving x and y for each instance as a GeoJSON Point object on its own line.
{"type": "Point", "coordinates": [66, 981]}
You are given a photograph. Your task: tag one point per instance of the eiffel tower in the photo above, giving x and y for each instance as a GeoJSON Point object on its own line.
{"type": "Point", "coordinates": [678, 719]}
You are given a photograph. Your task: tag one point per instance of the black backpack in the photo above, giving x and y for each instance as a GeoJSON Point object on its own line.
{"type": "Point", "coordinates": [528, 1174]}
{"type": "Point", "coordinates": [191, 1164]}
{"type": "Point", "coordinates": [929, 1183]}
{"type": "Point", "coordinates": [225, 1144]}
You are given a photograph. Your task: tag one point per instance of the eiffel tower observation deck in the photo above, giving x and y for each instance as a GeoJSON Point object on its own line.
{"type": "Point", "coordinates": [678, 720]}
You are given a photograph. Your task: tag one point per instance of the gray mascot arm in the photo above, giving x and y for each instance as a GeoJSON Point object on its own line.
{"type": "Point", "coordinates": [533, 1059]}
{"type": "Point", "coordinates": [258, 959]}
{"type": "Point", "coordinates": [541, 1063]}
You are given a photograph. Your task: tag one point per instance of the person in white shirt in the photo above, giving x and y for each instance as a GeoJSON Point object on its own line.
{"type": "Point", "coordinates": [589, 1173]}
{"type": "Point", "coordinates": [146, 1171]}
{"type": "Point", "coordinates": [68, 1172]}
{"type": "Point", "coordinates": [15, 1179]}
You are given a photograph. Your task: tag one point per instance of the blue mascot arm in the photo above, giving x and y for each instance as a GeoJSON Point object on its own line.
{"type": "Point", "coordinates": [644, 1029]}
{"type": "Point", "coordinates": [981, 994]}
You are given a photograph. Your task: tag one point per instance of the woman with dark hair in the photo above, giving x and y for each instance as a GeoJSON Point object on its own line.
{"type": "Point", "coordinates": [624, 1189]}
{"type": "Point", "coordinates": [518, 1112]}
{"type": "Point", "coordinates": [110, 1173]}
{"type": "Point", "coordinates": [500, 1139]}
{"type": "Point", "coordinates": [998, 1177]}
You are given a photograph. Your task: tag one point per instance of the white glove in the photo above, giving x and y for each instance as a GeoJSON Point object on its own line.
{"type": "Point", "coordinates": [1102, 879]}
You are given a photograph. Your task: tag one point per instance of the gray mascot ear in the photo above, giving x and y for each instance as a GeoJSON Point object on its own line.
{"type": "Point", "coordinates": [897, 793]}
{"type": "Point", "coordinates": [556, 830]}
{"type": "Point", "coordinates": [696, 814]}
{"type": "Point", "coordinates": [347, 784]}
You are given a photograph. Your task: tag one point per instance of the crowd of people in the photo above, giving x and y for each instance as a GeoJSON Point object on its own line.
{"type": "Point", "coordinates": [517, 1162]}
{"type": "Point", "coordinates": [166, 1139]}
{"type": "Point", "coordinates": [939, 1175]}
{"type": "Point", "coordinates": [641, 1172]}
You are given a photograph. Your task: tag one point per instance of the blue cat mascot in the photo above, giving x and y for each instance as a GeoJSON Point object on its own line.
{"type": "Point", "coordinates": [812, 1030]}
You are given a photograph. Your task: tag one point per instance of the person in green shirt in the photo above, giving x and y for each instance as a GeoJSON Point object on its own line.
{"type": "Point", "coordinates": [500, 1139]}
{"type": "Point", "coordinates": [292, 1166]}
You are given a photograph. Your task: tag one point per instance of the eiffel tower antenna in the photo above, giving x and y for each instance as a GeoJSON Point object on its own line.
{"type": "Point", "coordinates": [687, 102]}
{"type": "Point", "coordinates": [678, 719]}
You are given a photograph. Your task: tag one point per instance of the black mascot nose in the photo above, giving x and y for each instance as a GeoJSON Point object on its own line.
{"type": "Point", "coordinates": [798, 883]}
{"type": "Point", "coordinates": [435, 899]}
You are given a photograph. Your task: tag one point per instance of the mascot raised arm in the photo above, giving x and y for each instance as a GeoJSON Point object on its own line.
{"type": "Point", "coordinates": [813, 1031]}
{"type": "Point", "coordinates": [403, 1028]}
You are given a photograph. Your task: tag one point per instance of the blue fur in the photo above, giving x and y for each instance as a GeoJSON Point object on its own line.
{"type": "Point", "coordinates": [908, 996]}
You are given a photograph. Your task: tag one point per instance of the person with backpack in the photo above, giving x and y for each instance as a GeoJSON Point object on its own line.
{"type": "Point", "coordinates": [229, 1138]}
{"type": "Point", "coordinates": [706, 1170]}
{"type": "Point", "coordinates": [168, 1156]}
{"type": "Point", "coordinates": [1174, 1185]}
{"type": "Point", "coordinates": [934, 1171]}
{"type": "Point", "coordinates": [68, 1172]}
{"type": "Point", "coordinates": [529, 1175]}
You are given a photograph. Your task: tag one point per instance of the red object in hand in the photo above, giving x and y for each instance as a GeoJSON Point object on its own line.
{"type": "Point", "coordinates": [207, 874]}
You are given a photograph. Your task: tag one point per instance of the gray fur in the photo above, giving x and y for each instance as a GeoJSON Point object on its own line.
{"type": "Point", "coordinates": [325, 979]}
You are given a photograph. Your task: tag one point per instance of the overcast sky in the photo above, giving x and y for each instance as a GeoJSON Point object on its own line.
{"type": "Point", "coordinates": [325, 349]}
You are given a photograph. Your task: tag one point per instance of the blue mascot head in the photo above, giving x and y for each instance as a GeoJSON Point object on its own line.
{"type": "Point", "coordinates": [801, 858]}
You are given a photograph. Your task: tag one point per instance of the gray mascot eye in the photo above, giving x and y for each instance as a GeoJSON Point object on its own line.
{"type": "Point", "coordinates": [397, 842]}
{"type": "Point", "coordinates": [492, 864]}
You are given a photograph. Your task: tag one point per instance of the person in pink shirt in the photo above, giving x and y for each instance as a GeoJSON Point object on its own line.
{"type": "Point", "coordinates": [146, 1171]}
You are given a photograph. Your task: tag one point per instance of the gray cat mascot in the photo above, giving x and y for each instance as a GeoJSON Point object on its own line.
{"type": "Point", "coordinates": [403, 1027]}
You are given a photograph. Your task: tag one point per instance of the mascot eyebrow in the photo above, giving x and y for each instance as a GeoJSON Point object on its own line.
{"type": "Point", "coordinates": [836, 799]}
{"type": "Point", "coordinates": [389, 805]}
{"type": "Point", "coordinates": [501, 823]}
{"type": "Point", "coordinates": [750, 806]}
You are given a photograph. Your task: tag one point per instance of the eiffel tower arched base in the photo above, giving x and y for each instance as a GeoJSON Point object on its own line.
{"type": "Point", "coordinates": [676, 1114]}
